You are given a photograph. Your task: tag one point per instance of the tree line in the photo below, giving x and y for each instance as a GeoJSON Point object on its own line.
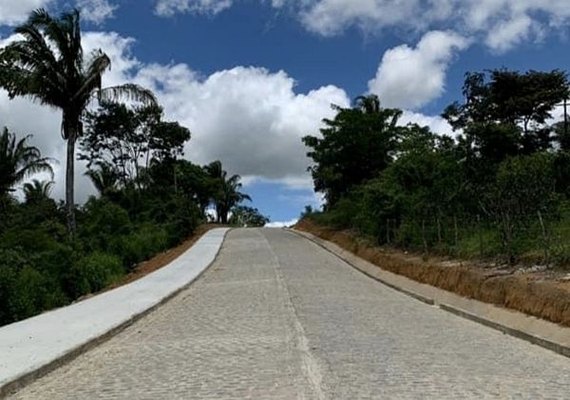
{"type": "Point", "coordinates": [498, 188]}
{"type": "Point", "coordinates": [149, 198]}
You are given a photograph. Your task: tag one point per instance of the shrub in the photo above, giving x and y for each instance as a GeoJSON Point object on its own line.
{"type": "Point", "coordinates": [140, 245]}
{"type": "Point", "coordinates": [24, 290]}
{"type": "Point", "coordinates": [94, 272]}
{"type": "Point", "coordinates": [102, 220]}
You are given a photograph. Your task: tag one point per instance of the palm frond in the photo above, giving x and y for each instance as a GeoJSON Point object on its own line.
{"type": "Point", "coordinates": [128, 91]}
{"type": "Point", "coordinates": [92, 76]}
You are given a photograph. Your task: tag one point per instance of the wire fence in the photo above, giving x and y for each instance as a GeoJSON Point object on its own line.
{"type": "Point", "coordinates": [541, 239]}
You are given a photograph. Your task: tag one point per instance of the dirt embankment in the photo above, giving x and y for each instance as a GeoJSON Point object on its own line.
{"type": "Point", "coordinates": [537, 293]}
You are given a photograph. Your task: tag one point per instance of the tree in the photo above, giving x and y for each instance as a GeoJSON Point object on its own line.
{"type": "Point", "coordinates": [131, 140]}
{"type": "Point", "coordinates": [105, 179]}
{"type": "Point", "coordinates": [355, 146]}
{"type": "Point", "coordinates": [248, 217]}
{"type": "Point", "coordinates": [37, 191]}
{"type": "Point", "coordinates": [508, 97]}
{"type": "Point", "coordinates": [524, 186]}
{"type": "Point", "coordinates": [193, 181]}
{"type": "Point", "coordinates": [48, 65]}
{"type": "Point", "coordinates": [18, 160]}
{"type": "Point", "coordinates": [507, 111]}
{"type": "Point", "coordinates": [226, 192]}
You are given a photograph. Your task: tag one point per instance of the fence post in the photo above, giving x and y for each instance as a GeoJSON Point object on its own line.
{"type": "Point", "coordinates": [424, 236]}
{"type": "Point", "coordinates": [480, 236]}
{"type": "Point", "coordinates": [544, 238]}
{"type": "Point", "coordinates": [456, 236]}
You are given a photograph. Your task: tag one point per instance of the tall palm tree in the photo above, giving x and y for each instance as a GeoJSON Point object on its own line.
{"type": "Point", "coordinates": [226, 192]}
{"type": "Point", "coordinates": [48, 65]}
{"type": "Point", "coordinates": [37, 191]}
{"type": "Point", "coordinates": [18, 160]}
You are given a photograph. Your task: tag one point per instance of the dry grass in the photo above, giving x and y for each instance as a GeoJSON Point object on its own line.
{"type": "Point", "coordinates": [529, 293]}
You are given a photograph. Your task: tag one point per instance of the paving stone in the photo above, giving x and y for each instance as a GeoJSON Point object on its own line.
{"type": "Point", "coordinates": [277, 317]}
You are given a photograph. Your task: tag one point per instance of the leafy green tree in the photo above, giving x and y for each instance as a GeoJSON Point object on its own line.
{"type": "Point", "coordinates": [48, 65]}
{"type": "Point", "coordinates": [562, 135]}
{"type": "Point", "coordinates": [195, 183]}
{"type": "Point", "coordinates": [354, 147]}
{"type": "Point", "coordinates": [524, 186]}
{"type": "Point", "coordinates": [509, 97]}
{"type": "Point", "coordinates": [505, 112]}
{"type": "Point", "coordinates": [131, 140]}
{"type": "Point", "coordinates": [18, 160]}
{"type": "Point", "coordinates": [248, 217]}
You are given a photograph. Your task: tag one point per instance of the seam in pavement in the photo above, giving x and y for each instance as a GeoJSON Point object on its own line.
{"type": "Point", "coordinates": [24, 380]}
{"type": "Point", "coordinates": [552, 345]}
{"type": "Point", "coordinates": [311, 368]}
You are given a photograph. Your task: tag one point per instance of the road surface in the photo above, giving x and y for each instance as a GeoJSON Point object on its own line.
{"type": "Point", "coordinates": [277, 317]}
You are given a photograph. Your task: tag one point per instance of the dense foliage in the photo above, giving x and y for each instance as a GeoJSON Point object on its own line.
{"type": "Point", "coordinates": [500, 187]}
{"type": "Point", "coordinates": [47, 64]}
{"type": "Point", "coordinates": [149, 198]}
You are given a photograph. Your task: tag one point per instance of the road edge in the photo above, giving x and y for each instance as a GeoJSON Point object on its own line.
{"type": "Point", "coordinates": [27, 378]}
{"type": "Point", "coordinates": [541, 333]}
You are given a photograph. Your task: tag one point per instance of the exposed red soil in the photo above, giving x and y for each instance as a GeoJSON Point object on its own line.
{"type": "Point", "coordinates": [541, 294]}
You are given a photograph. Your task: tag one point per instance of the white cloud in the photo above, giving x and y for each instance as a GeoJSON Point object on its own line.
{"type": "Point", "coordinates": [506, 34]}
{"type": "Point", "coordinates": [412, 77]}
{"type": "Point", "coordinates": [167, 8]}
{"type": "Point", "coordinates": [96, 11]}
{"type": "Point", "coordinates": [500, 24]}
{"type": "Point", "coordinates": [282, 224]}
{"type": "Point", "coordinates": [436, 123]}
{"type": "Point", "coordinates": [330, 17]}
{"type": "Point", "coordinates": [13, 12]}
{"type": "Point", "coordinates": [250, 118]}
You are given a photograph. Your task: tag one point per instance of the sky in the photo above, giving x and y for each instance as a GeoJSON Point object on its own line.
{"type": "Point", "coordinates": [250, 78]}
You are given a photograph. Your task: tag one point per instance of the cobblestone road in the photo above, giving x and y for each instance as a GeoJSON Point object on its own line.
{"type": "Point", "coordinates": [276, 317]}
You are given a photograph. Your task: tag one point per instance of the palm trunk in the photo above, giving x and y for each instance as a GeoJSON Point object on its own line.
{"type": "Point", "coordinates": [69, 184]}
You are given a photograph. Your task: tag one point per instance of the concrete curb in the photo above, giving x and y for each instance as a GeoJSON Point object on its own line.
{"type": "Point", "coordinates": [536, 331]}
{"type": "Point", "coordinates": [32, 348]}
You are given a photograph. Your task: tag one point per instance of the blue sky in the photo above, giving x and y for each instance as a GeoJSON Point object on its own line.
{"type": "Point", "coordinates": [251, 77]}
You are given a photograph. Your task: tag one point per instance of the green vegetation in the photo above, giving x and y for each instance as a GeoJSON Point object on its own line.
{"type": "Point", "coordinates": [149, 199]}
{"type": "Point", "coordinates": [48, 65]}
{"type": "Point", "coordinates": [499, 189]}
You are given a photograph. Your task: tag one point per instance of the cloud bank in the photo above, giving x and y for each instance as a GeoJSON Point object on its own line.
{"type": "Point", "coordinates": [250, 118]}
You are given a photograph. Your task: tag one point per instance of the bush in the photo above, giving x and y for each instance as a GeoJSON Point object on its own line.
{"type": "Point", "coordinates": [94, 272]}
{"type": "Point", "coordinates": [101, 221]}
{"type": "Point", "coordinates": [140, 245]}
{"type": "Point", "coordinates": [24, 290]}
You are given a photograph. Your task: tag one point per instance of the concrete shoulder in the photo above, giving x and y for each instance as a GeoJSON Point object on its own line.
{"type": "Point", "coordinates": [537, 331]}
{"type": "Point", "coordinates": [33, 347]}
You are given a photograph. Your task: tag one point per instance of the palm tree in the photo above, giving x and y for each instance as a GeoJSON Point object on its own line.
{"type": "Point", "coordinates": [231, 196]}
{"type": "Point", "coordinates": [105, 179]}
{"type": "Point", "coordinates": [18, 160]}
{"type": "Point", "coordinates": [226, 190]}
{"type": "Point", "coordinates": [48, 66]}
{"type": "Point", "coordinates": [368, 104]}
{"type": "Point", "coordinates": [36, 191]}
